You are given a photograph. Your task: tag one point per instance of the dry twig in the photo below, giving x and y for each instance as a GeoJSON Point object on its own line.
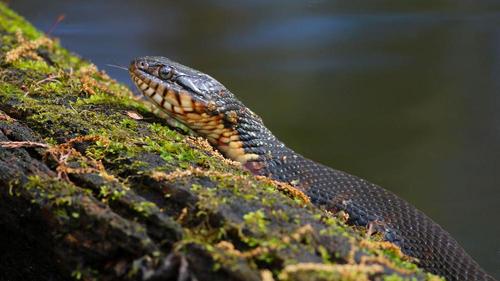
{"type": "Point", "coordinates": [20, 144]}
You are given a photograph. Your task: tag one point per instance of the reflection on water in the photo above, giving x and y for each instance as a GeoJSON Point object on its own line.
{"type": "Point", "coordinates": [403, 94]}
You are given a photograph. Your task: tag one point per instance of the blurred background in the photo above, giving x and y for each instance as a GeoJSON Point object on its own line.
{"type": "Point", "coordinates": [405, 94]}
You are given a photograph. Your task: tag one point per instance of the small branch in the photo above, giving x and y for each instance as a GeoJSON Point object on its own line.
{"type": "Point", "coordinates": [19, 144]}
{"type": "Point", "coordinates": [50, 78]}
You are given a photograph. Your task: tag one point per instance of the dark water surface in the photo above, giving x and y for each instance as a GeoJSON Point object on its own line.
{"type": "Point", "coordinates": [403, 93]}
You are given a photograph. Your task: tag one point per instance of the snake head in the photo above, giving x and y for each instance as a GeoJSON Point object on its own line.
{"type": "Point", "coordinates": [176, 88]}
{"type": "Point", "coordinates": [198, 101]}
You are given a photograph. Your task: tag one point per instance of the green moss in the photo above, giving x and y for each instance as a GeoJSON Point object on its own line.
{"type": "Point", "coordinates": [84, 273]}
{"type": "Point", "coordinates": [34, 65]}
{"type": "Point", "coordinates": [395, 257]}
{"type": "Point", "coordinates": [104, 191]}
{"type": "Point", "coordinates": [256, 220]}
{"type": "Point", "coordinates": [100, 98]}
{"type": "Point", "coordinates": [8, 89]}
{"type": "Point", "coordinates": [164, 132]}
{"type": "Point", "coordinates": [34, 181]}
{"type": "Point", "coordinates": [326, 275]}
{"type": "Point", "coordinates": [325, 256]}
{"type": "Point", "coordinates": [396, 278]}
{"type": "Point", "coordinates": [107, 192]}
{"type": "Point", "coordinates": [144, 207]}
{"type": "Point", "coordinates": [129, 124]}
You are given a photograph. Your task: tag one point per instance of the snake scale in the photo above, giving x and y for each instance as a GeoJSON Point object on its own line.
{"type": "Point", "coordinates": [209, 109]}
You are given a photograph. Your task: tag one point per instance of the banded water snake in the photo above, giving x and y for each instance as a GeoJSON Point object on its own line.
{"type": "Point", "coordinates": [209, 109]}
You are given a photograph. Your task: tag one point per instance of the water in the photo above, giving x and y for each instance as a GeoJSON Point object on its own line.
{"type": "Point", "coordinates": [403, 93]}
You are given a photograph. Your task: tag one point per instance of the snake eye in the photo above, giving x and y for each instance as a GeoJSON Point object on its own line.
{"type": "Point", "coordinates": [166, 72]}
{"type": "Point", "coordinates": [142, 65]}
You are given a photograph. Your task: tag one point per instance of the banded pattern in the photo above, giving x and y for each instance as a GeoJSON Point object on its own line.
{"type": "Point", "coordinates": [208, 108]}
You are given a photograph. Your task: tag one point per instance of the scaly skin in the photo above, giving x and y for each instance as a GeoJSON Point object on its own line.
{"type": "Point", "coordinates": [209, 109]}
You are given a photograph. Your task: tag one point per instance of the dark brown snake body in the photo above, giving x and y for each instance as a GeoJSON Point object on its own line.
{"type": "Point", "coordinates": [209, 109]}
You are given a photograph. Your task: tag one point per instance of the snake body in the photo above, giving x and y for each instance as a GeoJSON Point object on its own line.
{"type": "Point", "coordinates": [205, 106]}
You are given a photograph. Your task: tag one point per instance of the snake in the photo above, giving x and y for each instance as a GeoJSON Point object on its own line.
{"type": "Point", "coordinates": [210, 110]}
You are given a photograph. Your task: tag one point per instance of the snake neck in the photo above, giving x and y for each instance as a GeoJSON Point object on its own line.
{"type": "Point", "coordinates": [263, 152]}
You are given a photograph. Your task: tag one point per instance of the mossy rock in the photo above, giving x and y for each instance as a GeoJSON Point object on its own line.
{"type": "Point", "coordinates": [94, 186]}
